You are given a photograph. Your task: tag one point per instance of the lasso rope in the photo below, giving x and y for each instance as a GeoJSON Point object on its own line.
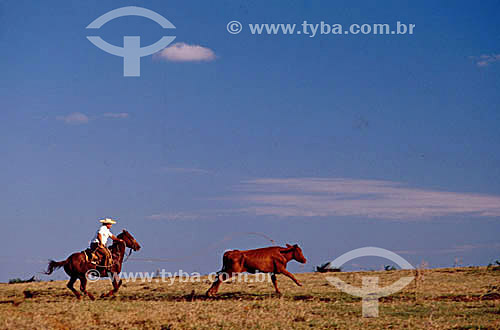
{"type": "Point", "coordinates": [209, 247]}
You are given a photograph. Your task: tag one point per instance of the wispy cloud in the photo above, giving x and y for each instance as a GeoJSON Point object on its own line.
{"type": "Point", "coordinates": [74, 118]}
{"type": "Point", "coordinates": [116, 115]}
{"type": "Point", "coordinates": [321, 197]}
{"type": "Point", "coordinates": [485, 59]}
{"type": "Point", "coordinates": [174, 216]}
{"type": "Point", "coordinates": [81, 118]}
{"type": "Point", "coordinates": [463, 248]}
{"type": "Point", "coordinates": [182, 52]}
{"type": "Point", "coordinates": [186, 170]}
{"type": "Point", "coordinates": [192, 215]}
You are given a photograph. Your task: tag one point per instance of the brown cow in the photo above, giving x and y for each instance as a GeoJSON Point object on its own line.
{"type": "Point", "coordinates": [266, 260]}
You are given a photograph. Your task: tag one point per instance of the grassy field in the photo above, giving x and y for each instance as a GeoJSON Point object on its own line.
{"type": "Point", "coordinates": [454, 298]}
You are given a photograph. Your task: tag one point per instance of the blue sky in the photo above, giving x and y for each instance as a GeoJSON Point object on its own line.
{"type": "Point", "coordinates": [332, 142]}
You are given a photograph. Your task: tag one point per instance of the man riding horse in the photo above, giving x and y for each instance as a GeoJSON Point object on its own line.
{"type": "Point", "coordinates": [79, 264]}
{"type": "Point", "coordinates": [98, 243]}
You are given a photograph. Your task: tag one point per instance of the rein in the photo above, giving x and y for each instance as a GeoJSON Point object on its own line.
{"type": "Point", "coordinates": [129, 254]}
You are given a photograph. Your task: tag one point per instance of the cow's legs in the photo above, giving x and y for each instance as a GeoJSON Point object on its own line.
{"type": "Point", "coordinates": [290, 275]}
{"type": "Point", "coordinates": [70, 284]}
{"type": "Point", "coordinates": [212, 291]}
{"type": "Point", "coordinates": [215, 286]}
{"type": "Point", "coordinates": [83, 287]}
{"type": "Point", "coordinates": [275, 283]}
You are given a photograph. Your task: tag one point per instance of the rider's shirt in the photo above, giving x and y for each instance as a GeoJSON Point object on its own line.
{"type": "Point", "coordinates": [105, 234]}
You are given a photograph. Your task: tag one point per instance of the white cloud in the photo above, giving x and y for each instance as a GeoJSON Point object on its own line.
{"type": "Point", "coordinates": [485, 60]}
{"type": "Point", "coordinates": [321, 197]}
{"type": "Point", "coordinates": [74, 118]}
{"type": "Point", "coordinates": [116, 115]}
{"type": "Point", "coordinates": [181, 52]}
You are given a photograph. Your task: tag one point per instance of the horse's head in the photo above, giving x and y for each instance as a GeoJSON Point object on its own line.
{"type": "Point", "coordinates": [130, 241]}
{"type": "Point", "coordinates": [297, 253]}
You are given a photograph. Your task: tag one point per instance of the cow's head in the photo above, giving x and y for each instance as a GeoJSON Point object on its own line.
{"type": "Point", "coordinates": [297, 253]}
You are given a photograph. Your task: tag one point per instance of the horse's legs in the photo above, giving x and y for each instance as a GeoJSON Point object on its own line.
{"type": "Point", "coordinates": [275, 283]}
{"type": "Point", "coordinates": [116, 286]}
{"type": "Point", "coordinates": [70, 286]}
{"type": "Point", "coordinates": [83, 287]}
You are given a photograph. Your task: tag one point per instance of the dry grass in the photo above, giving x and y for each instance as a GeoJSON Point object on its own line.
{"type": "Point", "coordinates": [458, 298]}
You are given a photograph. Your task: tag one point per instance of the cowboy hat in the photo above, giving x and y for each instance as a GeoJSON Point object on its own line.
{"type": "Point", "coordinates": [107, 221]}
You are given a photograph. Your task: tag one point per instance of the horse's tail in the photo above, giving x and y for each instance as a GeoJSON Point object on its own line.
{"type": "Point", "coordinates": [55, 265]}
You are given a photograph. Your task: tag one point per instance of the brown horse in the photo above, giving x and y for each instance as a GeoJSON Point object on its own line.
{"type": "Point", "coordinates": [78, 267]}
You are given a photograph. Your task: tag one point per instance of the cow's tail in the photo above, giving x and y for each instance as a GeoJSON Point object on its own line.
{"type": "Point", "coordinates": [226, 262]}
{"type": "Point", "coordinates": [53, 265]}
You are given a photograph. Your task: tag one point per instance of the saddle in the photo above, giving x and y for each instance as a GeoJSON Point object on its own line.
{"type": "Point", "coordinates": [97, 259]}
{"type": "Point", "coordinates": [91, 256]}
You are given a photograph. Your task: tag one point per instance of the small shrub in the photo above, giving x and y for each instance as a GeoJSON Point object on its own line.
{"type": "Point", "coordinates": [325, 268]}
{"type": "Point", "coordinates": [15, 280]}
{"type": "Point", "coordinates": [18, 280]}
{"type": "Point", "coordinates": [494, 264]}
